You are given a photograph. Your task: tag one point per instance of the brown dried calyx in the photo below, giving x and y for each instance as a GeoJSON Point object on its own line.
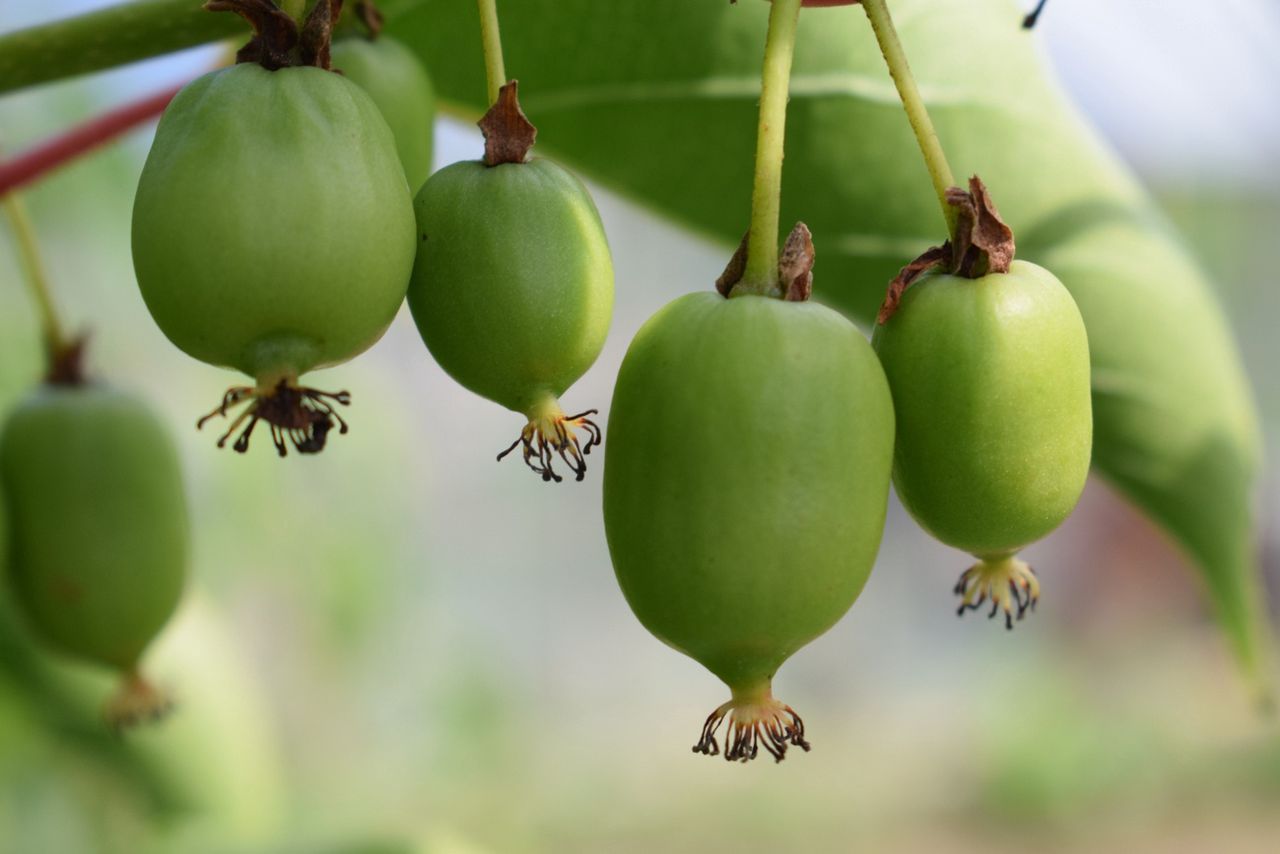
{"type": "Point", "coordinates": [983, 244]}
{"type": "Point", "coordinates": [295, 415]}
{"type": "Point", "coordinates": [368, 14]}
{"type": "Point", "coordinates": [278, 42]}
{"type": "Point", "coordinates": [795, 266]}
{"type": "Point", "coordinates": [508, 133]}
{"type": "Point", "coordinates": [137, 701]}
{"type": "Point", "coordinates": [65, 363]}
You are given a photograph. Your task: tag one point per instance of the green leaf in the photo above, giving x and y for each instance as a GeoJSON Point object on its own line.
{"type": "Point", "coordinates": [656, 99]}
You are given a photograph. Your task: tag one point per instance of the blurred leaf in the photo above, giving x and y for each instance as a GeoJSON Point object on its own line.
{"type": "Point", "coordinates": [656, 99]}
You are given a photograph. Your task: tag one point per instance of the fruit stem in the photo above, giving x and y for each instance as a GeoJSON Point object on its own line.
{"type": "Point", "coordinates": [491, 37]}
{"type": "Point", "coordinates": [55, 339]}
{"type": "Point", "coordinates": [917, 114]}
{"type": "Point", "coordinates": [105, 38]}
{"type": "Point", "coordinates": [761, 274]}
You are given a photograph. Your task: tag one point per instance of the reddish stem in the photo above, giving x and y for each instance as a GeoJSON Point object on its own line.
{"type": "Point", "coordinates": [61, 149]}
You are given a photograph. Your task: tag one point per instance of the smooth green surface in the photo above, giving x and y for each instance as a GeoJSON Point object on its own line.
{"type": "Point", "coordinates": [272, 229]}
{"type": "Point", "coordinates": [667, 120]}
{"type": "Point", "coordinates": [398, 83]}
{"type": "Point", "coordinates": [990, 381]}
{"type": "Point", "coordinates": [746, 477]}
{"type": "Point", "coordinates": [513, 286]}
{"type": "Point", "coordinates": [99, 532]}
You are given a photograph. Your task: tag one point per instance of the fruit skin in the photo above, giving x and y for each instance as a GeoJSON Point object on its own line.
{"type": "Point", "coordinates": [272, 229]}
{"type": "Point", "coordinates": [990, 382]}
{"type": "Point", "coordinates": [513, 286]}
{"type": "Point", "coordinates": [746, 477]}
{"type": "Point", "coordinates": [391, 74]}
{"type": "Point", "coordinates": [98, 522]}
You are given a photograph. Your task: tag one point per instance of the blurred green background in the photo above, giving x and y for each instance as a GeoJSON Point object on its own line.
{"type": "Point", "coordinates": [403, 646]}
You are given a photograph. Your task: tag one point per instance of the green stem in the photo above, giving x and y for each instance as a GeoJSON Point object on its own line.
{"type": "Point", "coordinates": [761, 275]}
{"type": "Point", "coordinates": [120, 34]}
{"type": "Point", "coordinates": [106, 38]}
{"type": "Point", "coordinates": [36, 275]}
{"type": "Point", "coordinates": [917, 114]}
{"type": "Point", "coordinates": [491, 36]}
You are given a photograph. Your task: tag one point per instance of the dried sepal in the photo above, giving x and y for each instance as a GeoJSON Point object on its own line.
{"type": "Point", "coordinates": [735, 269]}
{"type": "Point", "coordinates": [277, 41]}
{"type": "Point", "coordinates": [275, 33]}
{"type": "Point", "coordinates": [370, 16]}
{"type": "Point", "coordinates": [983, 244]}
{"type": "Point", "coordinates": [933, 257]}
{"type": "Point", "coordinates": [795, 267]}
{"type": "Point", "coordinates": [65, 363]}
{"type": "Point", "coordinates": [317, 34]}
{"type": "Point", "coordinates": [508, 133]}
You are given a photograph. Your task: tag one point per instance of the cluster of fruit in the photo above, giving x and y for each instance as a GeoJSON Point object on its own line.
{"type": "Point", "coordinates": [274, 233]}
{"type": "Point", "coordinates": [753, 434]}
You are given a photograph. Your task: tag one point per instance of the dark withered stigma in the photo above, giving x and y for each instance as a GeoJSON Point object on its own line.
{"type": "Point", "coordinates": [774, 726]}
{"type": "Point", "coordinates": [302, 416]}
{"type": "Point", "coordinates": [1010, 585]}
{"type": "Point", "coordinates": [542, 439]}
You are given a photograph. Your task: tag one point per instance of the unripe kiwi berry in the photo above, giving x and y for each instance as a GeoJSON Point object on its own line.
{"type": "Point", "coordinates": [273, 234]}
{"type": "Point", "coordinates": [990, 380]}
{"type": "Point", "coordinates": [98, 530]}
{"type": "Point", "coordinates": [512, 291]}
{"type": "Point", "coordinates": [393, 76]}
{"type": "Point", "coordinates": [745, 486]}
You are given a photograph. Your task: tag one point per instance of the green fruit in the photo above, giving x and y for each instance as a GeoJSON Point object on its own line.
{"type": "Point", "coordinates": [398, 83]}
{"type": "Point", "coordinates": [1176, 422]}
{"type": "Point", "coordinates": [990, 382]}
{"type": "Point", "coordinates": [745, 487]}
{"type": "Point", "coordinates": [273, 233]}
{"type": "Point", "coordinates": [99, 533]}
{"type": "Point", "coordinates": [513, 293]}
